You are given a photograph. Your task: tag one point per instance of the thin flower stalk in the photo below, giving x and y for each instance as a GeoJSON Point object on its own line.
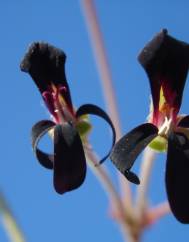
{"type": "Point", "coordinates": [102, 174]}
{"type": "Point", "coordinates": [145, 172]}
{"type": "Point", "coordinates": [106, 81]}
{"type": "Point", "coordinates": [155, 213]}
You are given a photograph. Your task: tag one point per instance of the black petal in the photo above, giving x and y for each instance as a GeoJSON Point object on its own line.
{"type": "Point", "coordinates": [46, 65]}
{"type": "Point", "coordinates": [38, 130]}
{"type": "Point", "coordinates": [127, 149]}
{"type": "Point", "coordinates": [69, 159]}
{"type": "Point", "coordinates": [166, 61]}
{"type": "Point", "coordinates": [184, 122]}
{"type": "Point", "coordinates": [177, 176]}
{"type": "Point", "coordinates": [132, 177]}
{"type": "Point", "coordinates": [93, 109]}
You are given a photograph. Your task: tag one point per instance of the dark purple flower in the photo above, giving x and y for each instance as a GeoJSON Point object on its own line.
{"type": "Point", "coordinates": [46, 65]}
{"type": "Point", "coordinates": [166, 62]}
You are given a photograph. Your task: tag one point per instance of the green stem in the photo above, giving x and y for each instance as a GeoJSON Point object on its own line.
{"type": "Point", "coordinates": [11, 226]}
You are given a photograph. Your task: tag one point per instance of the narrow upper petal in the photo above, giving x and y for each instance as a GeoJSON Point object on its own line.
{"type": "Point", "coordinates": [177, 176]}
{"type": "Point", "coordinates": [166, 61]}
{"type": "Point", "coordinates": [69, 159]}
{"type": "Point", "coordinates": [127, 149]}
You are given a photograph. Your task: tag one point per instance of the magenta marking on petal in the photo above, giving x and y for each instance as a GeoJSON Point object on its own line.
{"type": "Point", "coordinates": [172, 99]}
{"type": "Point", "coordinates": [49, 101]}
{"type": "Point", "coordinates": [170, 95]}
{"type": "Point", "coordinates": [63, 89]}
{"type": "Point", "coordinates": [64, 92]}
{"type": "Point", "coordinates": [155, 117]}
{"type": "Point", "coordinates": [169, 108]}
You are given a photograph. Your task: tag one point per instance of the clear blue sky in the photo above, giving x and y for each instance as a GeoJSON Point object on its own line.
{"type": "Point", "coordinates": [82, 215]}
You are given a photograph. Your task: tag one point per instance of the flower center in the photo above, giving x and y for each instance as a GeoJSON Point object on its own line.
{"type": "Point", "coordinates": [160, 142]}
{"type": "Point", "coordinates": [56, 102]}
{"type": "Point", "coordinates": [166, 128]}
{"type": "Point", "coordinates": [165, 120]}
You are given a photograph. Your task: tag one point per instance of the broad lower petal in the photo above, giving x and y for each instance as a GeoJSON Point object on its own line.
{"type": "Point", "coordinates": [177, 176]}
{"type": "Point", "coordinates": [69, 159]}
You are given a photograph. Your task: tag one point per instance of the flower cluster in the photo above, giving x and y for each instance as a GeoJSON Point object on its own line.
{"type": "Point", "coordinates": [166, 62]}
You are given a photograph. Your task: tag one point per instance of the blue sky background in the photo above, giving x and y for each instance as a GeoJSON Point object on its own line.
{"type": "Point", "coordinates": [82, 215]}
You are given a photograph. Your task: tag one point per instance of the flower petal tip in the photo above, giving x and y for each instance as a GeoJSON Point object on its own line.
{"type": "Point", "coordinates": [45, 63]}
{"type": "Point", "coordinates": [39, 51]}
{"type": "Point", "coordinates": [132, 177]}
{"type": "Point", "coordinates": [128, 148]}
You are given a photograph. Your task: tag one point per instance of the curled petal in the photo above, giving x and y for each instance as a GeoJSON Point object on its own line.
{"type": "Point", "coordinates": [177, 176]}
{"type": "Point", "coordinates": [184, 122]}
{"type": "Point", "coordinates": [69, 159]}
{"type": "Point", "coordinates": [127, 149]}
{"type": "Point", "coordinates": [93, 109]}
{"type": "Point", "coordinates": [38, 130]}
{"type": "Point", "coordinates": [166, 61]}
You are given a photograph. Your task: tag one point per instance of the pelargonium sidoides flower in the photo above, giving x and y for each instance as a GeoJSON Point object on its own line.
{"type": "Point", "coordinates": [166, 62]}
{"type": "Point", "coordinates": [46, 65]}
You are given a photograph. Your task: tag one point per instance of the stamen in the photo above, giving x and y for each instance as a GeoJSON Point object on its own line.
{"type": "Point", "coordinates": [49, 101]}
{"type": "Point", "coordinates": [166, 128]}
{"type": "Point", "coordinates": [61, 106]}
